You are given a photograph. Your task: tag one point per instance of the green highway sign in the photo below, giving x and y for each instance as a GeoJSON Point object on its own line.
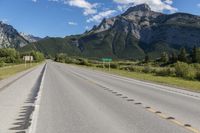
{"type": "Point", "coordinates": [106, 59]}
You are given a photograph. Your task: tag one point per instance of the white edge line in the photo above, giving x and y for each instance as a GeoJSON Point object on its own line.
{"type": "Point", "coordinates": [169, 89]}
{"type": "Point", "coordinates": [35, 114]}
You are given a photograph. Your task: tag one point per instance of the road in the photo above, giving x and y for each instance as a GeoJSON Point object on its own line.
{"type": "Point", "coordinates": [71, 99]}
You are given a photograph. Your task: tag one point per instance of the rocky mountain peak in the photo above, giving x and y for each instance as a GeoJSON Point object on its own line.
{"type": "Point", "coordinates": [142, 7]}
{"type": "Point", "coordinates": [9, 37]}
{"type": "Point", "coordinates": [30, 38]}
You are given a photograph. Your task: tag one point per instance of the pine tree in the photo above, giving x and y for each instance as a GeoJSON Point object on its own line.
{"type": "Point", "coordinates": [182, 55]}
{"type": "Point", "coordinates": [147, 59]}
{"type": "Point", "coordinates": [195, 55]}
{"type": "Point", "coordinates": [164, 57]}
{"type": "Point", "coordinates": [173, 58]}
{"type": "Point", "coordinates": [198, 55]}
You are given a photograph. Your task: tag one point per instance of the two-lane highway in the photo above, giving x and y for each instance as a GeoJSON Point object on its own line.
{"type": "Point", "coordinates": [77, 100]}
{"type": "Point", "coordinates": [62, 98]}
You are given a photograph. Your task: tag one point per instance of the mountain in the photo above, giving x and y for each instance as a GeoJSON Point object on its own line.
{"type": "Point", "coordinates": [30, 38]}
{"type": "Point", "coordinates": [9, 37]}
{"type": "Point", "coordinates": [133, 34]}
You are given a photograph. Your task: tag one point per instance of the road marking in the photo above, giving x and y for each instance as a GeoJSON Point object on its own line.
{"type": "Point", "coordinates": [151, 110]}
{"type": "Point", "coordinates": [158, 113]}
{"type": "Point", "coordinates": [138, 103]}
{"type": "Point", "coordinates": [129, 100]}
{"type": "Point", "coordinates": [172, 119]}
{"type": "Point", "coordinates": [118, 94]}
{"type": "Point", "coordinates": [193, 129]}
{"type": "Point", "coordinates": [177, 122]}
{"type": "Point", "coordinates": [35, 114]}
{"type": "Point", "coordinates": [162, 116]}
{"type": "Point", "coordinates": [148, 84]}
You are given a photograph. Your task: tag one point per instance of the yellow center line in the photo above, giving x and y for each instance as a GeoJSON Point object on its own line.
{"type": "Point", "coordinates": [193, 130]}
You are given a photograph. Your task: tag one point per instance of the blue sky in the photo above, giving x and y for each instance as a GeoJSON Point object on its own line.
{"type": "Point", "coordinates": [65, 17]}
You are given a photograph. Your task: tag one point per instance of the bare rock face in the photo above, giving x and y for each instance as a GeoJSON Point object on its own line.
{"type": "Point", "coordinates": [106, 24]}
{"type": "Point", "coordinates": [9, 37]}
{"type": "Point", "coordinates": [133, 34]}
{"type": "Point", "coordinates": [30, 38]}
{"type": "Point", "coordinates": [144, 30]}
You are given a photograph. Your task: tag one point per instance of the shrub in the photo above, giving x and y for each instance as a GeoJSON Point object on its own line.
{"type": "Point", "coordinates": [1, 63]}
{"type": "Point", "coordinates": [60, 57]}
{"type": "Point", "coordinates": [198, 75]}
{"type": "Point", "coordinates": [147, 69]}
{"type": "Point", "coordinates": [38, 57]}
{"type": "Point", "coordinates": [69, 60]}
{"type": "Point", "coordinates": [165, 72]}
{"type": "Point", "coordinates": [114, 65]}
{"type": "Point", "coordinates": [84, 62]}
{"type": "Point", "coordinates": [185, 71]}
{"type": "Point", "coordinates": [99, 66]}
{"type": "Point", "coordinates": [197, 67]}
{"type": "Point", "coordinates": [132, 68]}
{"type": "Point", "coordinates": [9, 55]}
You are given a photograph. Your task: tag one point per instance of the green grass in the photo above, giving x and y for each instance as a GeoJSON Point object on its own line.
{"type": "Point", "coordinates": [8, 71]}
{"type": "Point", "coordinates": [169, 81]}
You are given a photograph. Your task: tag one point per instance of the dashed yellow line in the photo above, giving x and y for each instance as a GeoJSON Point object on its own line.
{"type": "Point", "coordinates": [177, 123]}
{"type": "Point", "coordinates": [193, 129]}
{"type": "Point", "coordinates": [151, 110]}
{"type": "Point", "coordinates": [161, 115]}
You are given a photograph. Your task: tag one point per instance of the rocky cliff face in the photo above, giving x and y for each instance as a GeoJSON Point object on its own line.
{"type": "Point", "coordinates": [9, 37]}
{"type": "Point", "coordinates": [140, 30]}
{"type": "Point", "coordinates": [30, 38]}
{"type": "Point", "coordinates": [136, 32]}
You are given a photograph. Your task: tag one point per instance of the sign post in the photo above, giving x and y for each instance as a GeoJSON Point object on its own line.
{"type": "Point", "coordinates": [107, 60]}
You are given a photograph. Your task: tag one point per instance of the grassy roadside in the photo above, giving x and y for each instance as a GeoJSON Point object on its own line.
{"type": "Point", "coordinates": [8, 71]}
{"type": "Point", "coordinates": [168, 81]}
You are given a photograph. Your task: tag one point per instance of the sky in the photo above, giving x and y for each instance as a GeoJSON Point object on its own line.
{"type": "Point", "coordinates": [59, 18]}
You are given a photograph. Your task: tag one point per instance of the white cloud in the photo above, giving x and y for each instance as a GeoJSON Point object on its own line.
{"type": "Point", "coordinates": [87, 27]}
{"type": "Point", "coordinates": [169, 2]}
{"type": "Point", "coordinates": [101, 15]}
{"type": "Point", "coordinates": [198, 5]}
{"type": "Point", "coordinates": [54, 0]}
{"type": "Point", "coordinates": [5, 21]}
{"type": "Point", "coordinates": [156, 5]}
{"type": "Point", "coordinates": [88, 7]}
{"type": "Point", "coordinates": [72, 23]}
{"type": "Point", "coordinates": [34, 0]}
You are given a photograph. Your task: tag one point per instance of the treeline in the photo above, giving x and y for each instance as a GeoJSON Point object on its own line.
{"type": "Point", "coordinates": [11, 56]}
{"type": "Point", "coordinates": [63, 58]}
{"type": "Point", "coordinates": [184, 64]}
{"type": "Point", "coordinates": [182, 56]}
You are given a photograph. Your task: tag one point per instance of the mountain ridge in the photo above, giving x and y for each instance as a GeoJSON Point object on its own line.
{"type": "Point", "coordinates": [30, 38]}
{"type": "Point", "coordinates": [9, 37]}
{"type": "Point", "coordinates": [135, 33]}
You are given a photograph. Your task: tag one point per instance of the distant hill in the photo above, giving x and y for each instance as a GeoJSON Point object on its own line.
{"type": "Point", "coordinates": [52, 46]}
{"type": "Point", "coordinates": [130, 35]}
{"type": "Point", "coordinates": [9, 37]}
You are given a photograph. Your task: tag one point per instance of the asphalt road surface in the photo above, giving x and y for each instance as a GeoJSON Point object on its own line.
{"type": "Point", "coordinates": [69, 99]}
